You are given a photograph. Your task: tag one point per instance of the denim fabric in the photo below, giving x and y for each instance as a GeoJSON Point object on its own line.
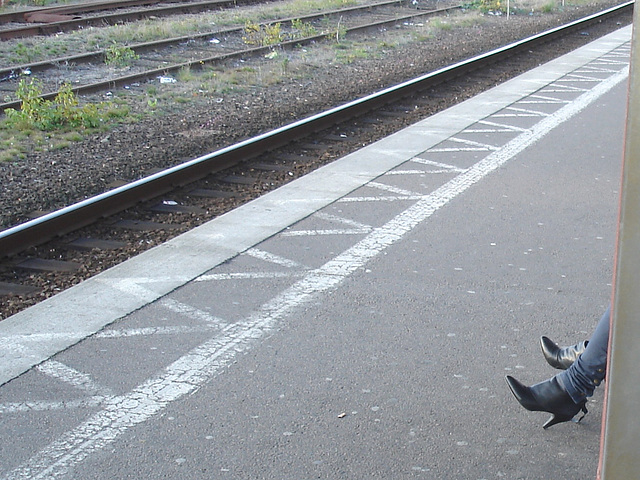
{"type": "Point", "coordinates": [588, 371]}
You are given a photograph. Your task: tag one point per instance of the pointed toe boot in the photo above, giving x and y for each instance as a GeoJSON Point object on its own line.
{"type": "Point", "coordinates": [547, 396]}
{"type": "Point", "coordinates": [561, 358]}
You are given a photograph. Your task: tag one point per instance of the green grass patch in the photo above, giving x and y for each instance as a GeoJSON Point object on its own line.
{"type": "Point", "coordinates": [549, 7]}
{"type": "Point", "coordinates": [347, 53]}
{"type": "Point", "coordinates": [42, 124]}
{"type": "Point", "coordinates": [438, 23]}
{"type": "Point", "coordinates": [119, 55]}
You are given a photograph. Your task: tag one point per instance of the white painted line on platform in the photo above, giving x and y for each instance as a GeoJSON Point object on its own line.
{"type": "Point", "coordinates": [21, 407]}
{"type": "Point", "coordinates": [82, 381]}
{"type": "Point", "coordinates": [527, 111]}
{"type": "Point", "coordinates": [479, 145]}
{"type": "Point", "coordinates": [391, 189]}
{"type": "Point", "coordinates": [421, 172]}
{"type": "Point", "coordinates": [609, 61]}
{"type": "Point", "coordinates": [246, 276]}
{"type": "Point", "coordinates": [272, 258]}
{"type": "Point", "coordinates": [514, 115]}
{"type": "Point", "coordinates": [191, 312]}
{"type": "Point", "coordinates": [335, 231]}
{"type": "Point", "coordinates": [379, 199]}
{"type": "Point", "coordinates": [512, 128]}
{"type": "Point", "coordinates": [578, 78]}
{"type": "Point", "coordinates": [444, 166]}
{"type": "Point", "coordinates": [558, 88]}
{"type": "Point", "coordinates": [187, 374]}
{"type": "Point", "coordinates": [457, 149]}
{"type": "Point", "coordinates": [147, 331]}
{"type": "Point", "coordinates": [345, 221]}
{"type": "Point", "coordinates": [487, 130]}
{"type": "Point", "coordinates": [594, 69]}
{"type": "Point", "coordinates": [543, 99]}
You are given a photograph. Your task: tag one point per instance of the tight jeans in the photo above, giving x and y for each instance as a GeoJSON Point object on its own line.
{"type": "Point", "coordinates": [588, 371]}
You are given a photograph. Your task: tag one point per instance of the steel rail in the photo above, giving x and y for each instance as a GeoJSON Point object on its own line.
{"type": "Point", "coordinates": [20, 16]}
{"type": "Point", "coordinates": [98, 55]}
{"type": "Point", "coordinates": [200, 62]}
{"type": "Point", "coordinates": [37, 231]}
{"type": "Point", "coordinates": [112, 19]}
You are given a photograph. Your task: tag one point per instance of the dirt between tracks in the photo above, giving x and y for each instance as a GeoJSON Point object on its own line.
{"type": "Point", "coordinates": [181, 130]}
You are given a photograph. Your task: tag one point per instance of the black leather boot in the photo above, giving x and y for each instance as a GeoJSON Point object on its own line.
{"type": "Point", "coordinates": [561, 358]}
{"type": "Point", "coordinates": [547, 396]}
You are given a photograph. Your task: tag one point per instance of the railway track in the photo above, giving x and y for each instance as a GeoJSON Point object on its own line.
{"type": "Point", "coordinates": [202, 51]}
{"type": "Point", "coordinates": [28, 14]}
{"type": "Point", "coordinates": [52, 20]}
{"type": "Point", "coordinates": [207, 186]}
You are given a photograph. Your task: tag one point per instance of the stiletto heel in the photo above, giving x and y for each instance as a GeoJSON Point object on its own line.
{"type": "Point", "coordinates": [547, 396]}
{"type": "Point", "coordinates": [555, 419]}
{"type": "Point", "coordinates": [561, 358]}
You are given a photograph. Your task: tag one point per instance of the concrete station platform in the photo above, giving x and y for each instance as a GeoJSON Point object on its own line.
{"type": "Point", "coordinates": [357, 323]}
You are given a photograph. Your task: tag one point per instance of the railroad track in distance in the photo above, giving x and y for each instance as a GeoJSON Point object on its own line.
{"type": "Point", "coordinates": [52, 20]}
{"type": "Point", "coordinates": [201, 52]}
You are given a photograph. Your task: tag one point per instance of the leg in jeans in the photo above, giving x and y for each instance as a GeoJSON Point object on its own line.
{"type": "Point", "coordinates": [566, 394]}
{"type": "Point", "coordinates": [588, 371]}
